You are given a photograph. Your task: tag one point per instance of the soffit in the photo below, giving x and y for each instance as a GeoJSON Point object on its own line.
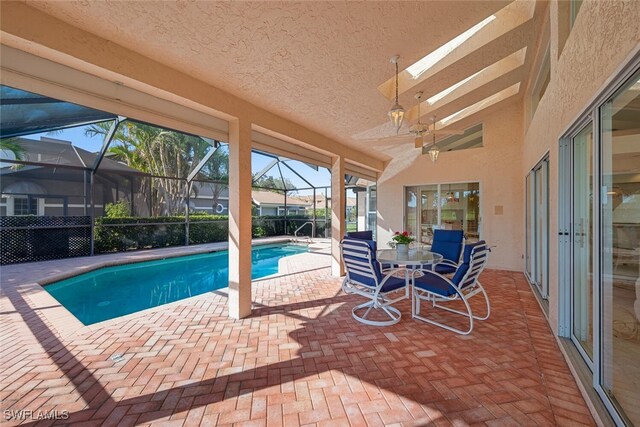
{"type": "Point", "coordinates": [318, 63]}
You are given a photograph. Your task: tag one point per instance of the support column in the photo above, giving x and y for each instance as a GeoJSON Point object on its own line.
{"type": "Point", "coordinates": [337, 214]}
{"type": "Point", "coordinates": [239, 219]}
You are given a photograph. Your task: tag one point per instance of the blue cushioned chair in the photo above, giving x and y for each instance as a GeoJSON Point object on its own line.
{"type": "Point", "coordinates": [368, 235]}
{"type": "Point", "coordinates": [449, 244]}
{"type": "Point", "coordinates": [365, 278]}
{"type": "Point", "coordinates": [436, 288]}
{"type": "Point", "coordinates": [362, 235]}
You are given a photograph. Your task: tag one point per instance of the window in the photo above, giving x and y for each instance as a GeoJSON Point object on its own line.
{"type": "Point", "coordinates": [443, 206]}
{"type": "Point", "coordinates": [25, 206]}
{"type": "Point", "coordinates": [542, 81]}
{"type": "Point", "coordinates": [471, 138]}
{"type": "Point", "coordinates": [575, 8]}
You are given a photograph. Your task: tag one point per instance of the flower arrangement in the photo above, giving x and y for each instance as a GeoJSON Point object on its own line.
{"type": "Point", "coordinates": [403, 238]}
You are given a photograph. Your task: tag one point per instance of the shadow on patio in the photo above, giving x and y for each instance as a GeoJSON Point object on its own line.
{"type": "Point", "coordinates": [300, 359]}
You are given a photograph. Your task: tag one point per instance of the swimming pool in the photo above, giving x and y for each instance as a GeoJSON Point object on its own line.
{"type": "Point", "coordinates": [112, 292]}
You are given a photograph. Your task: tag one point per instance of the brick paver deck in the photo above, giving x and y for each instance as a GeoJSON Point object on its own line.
{"type": "Point", "coordinates": [300, 359]}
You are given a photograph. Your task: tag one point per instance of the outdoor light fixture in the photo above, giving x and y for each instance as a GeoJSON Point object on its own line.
{"type": "Point", "coordinates": [396, 114]}
{"type": "Point", "coordinates": [433, 153]}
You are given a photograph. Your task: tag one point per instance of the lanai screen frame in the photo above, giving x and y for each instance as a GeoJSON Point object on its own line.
{"type": "Point", "coordinates": [90, 170]}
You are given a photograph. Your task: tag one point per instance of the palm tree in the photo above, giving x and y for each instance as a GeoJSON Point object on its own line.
{"type": "Point", "coordinates": [166, 155]}
{"type": "Point", "coordinates": [13, 145]}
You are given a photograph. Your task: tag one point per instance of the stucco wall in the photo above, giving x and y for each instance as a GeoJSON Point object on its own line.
{"type": "Point", "coordinates": [497, 166]}
{"type": "Point", "coordinates": [602, 40]}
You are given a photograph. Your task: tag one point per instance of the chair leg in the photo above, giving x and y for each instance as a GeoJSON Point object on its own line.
{"type": "Point", "coordinates": [392, 312]}
{"type": "Point", "coordinates": [432, 298]}
{"type": "Point", "coordinates": [486, 300]}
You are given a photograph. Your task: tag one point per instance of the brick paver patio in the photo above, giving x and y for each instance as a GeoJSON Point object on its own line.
{"type": "Point", "coordinates": [300, 359]}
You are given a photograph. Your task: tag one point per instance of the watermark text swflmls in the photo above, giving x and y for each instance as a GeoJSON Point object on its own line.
{"type": "Point", "coordinates": [25, 414]}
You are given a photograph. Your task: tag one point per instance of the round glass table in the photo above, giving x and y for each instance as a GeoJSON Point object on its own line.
{"type": "Point", "coordinates": [413, 257]}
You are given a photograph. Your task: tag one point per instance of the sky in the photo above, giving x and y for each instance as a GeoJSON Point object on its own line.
{"type": "Point", "coordinates": [319, 178]}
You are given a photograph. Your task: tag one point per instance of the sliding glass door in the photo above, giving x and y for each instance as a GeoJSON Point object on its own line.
{"type": "Point", "coordinates": [600, 229]}
{"type": "Point", "coordinates": [582, 289]}
{"type": "Point", "coordinates": [537, 244]}
{"type": "Point", "coordinates": [443, 206]}
{"type": "Point", "coordinates": [620, 248]}
{"type": "Point", "coordinates": [430, 210]}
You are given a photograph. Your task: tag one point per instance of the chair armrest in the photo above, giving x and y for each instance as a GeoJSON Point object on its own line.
{"type": "Point", "coordinates": [433, 273]}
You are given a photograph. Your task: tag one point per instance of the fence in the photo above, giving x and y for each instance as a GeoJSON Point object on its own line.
{"type": "Point", "coordinates": [40, 238]}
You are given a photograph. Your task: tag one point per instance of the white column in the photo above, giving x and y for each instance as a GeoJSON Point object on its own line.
{"type": "Point", "coordinates": [337, 214]}
{"type": "Point", "coordinates": [239, 219]}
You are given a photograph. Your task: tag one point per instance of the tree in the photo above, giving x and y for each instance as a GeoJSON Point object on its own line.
{"type": "Point", "coordinates": [167, 155]}
{"type": "Point", "coordinates": [13, 145]}
{"type": "Point", "coordinates": [276, 185]}
{"type": "Point", "coordinates": [216, 171]}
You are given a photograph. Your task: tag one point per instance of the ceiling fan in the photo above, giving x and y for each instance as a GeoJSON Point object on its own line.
{"type": "Point", "coordinates": [418, 130]}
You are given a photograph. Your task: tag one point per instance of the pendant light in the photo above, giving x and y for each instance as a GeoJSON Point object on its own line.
{"type": "Point", "coordinates": [396, 114]}
{"type": "Point", "coordinates": [434, 151]}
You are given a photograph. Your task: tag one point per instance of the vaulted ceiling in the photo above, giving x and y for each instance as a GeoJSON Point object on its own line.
{"type": "Point", "coordinates": [326, 65]}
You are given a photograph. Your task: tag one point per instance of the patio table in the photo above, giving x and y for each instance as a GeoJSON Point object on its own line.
{"type": "Point", "coordinates": [414, 257]}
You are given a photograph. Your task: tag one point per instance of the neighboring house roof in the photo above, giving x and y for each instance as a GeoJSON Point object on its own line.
{"type": "Point", "coordinates": [60, 152]}
{"type": "Point", "coordinates": [351, 201]}
{"type": "Point", "coordinates": [262, 198]}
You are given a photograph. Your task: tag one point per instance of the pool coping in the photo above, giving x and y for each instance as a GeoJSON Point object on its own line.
{"type": "Point", "coordinates": [63, 322]}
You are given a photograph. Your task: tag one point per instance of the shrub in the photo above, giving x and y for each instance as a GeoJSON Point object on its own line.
{"type": "Point", "coordinates": [115, 234]}
{"type": "Point", "coordinates": [117, 210]}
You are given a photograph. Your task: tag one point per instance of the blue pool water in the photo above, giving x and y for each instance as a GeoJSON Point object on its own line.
{"type": "Point", "coordinates": [124, 289]}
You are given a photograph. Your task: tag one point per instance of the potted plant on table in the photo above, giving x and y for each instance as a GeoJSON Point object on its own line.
{"type": "Point", "coordinates": [401, 241]}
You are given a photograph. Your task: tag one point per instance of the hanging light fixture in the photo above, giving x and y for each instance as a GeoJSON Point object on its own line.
{"type": "Point", "coordinates": [434, 151]}
{"type": "Point", "coordinates": [396, 114]}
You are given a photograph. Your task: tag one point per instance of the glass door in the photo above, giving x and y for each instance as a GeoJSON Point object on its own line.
{"type": "Point", "coordinates": [442, 206]}
{"type": "Point", "coordinates": [582, 227]}
{"type": "Point", "coordinates": [537, 238]}
{"type": "Point", "coordinates": [620, 249]}
{"type": "Point", "coordinates": [411, 220]}
{"type": "Point", "coordinates": [542, 227]}
{"type": "Point", "coordinates": [430, 211]}
{"type": "Point", "coordinates": [530, 226]}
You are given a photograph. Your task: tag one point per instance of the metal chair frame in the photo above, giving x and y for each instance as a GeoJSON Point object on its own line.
{"type": "Point", "coordinates": [378, 300]}
{"type": "Point", "coordinates": [453, 263]}
{"type": "Point", "coordinates": [469, 287]}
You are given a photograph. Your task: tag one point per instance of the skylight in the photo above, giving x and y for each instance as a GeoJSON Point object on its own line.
{"type": "Point", "coordinates": [438, 96]}
{"type": "Point", "coordinates": [437, 55]}
{"type": "Point", "coordinates": [485, 103]}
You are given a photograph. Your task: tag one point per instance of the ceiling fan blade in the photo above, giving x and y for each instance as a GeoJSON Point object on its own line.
{"type": "Point", "coordinates": [418, 142]}
{"type": "Point", "coordinates": [447, 132]}
{"type": "Point", "coordinates": [395, 139]}
{"type": "Point", "coordinates": [383, 142]}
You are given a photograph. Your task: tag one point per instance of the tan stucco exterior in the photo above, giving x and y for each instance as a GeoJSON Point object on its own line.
{"type": "Point", "coordinates": [602, 40]}
{"type": "Point", "coordinates": [496, 166]}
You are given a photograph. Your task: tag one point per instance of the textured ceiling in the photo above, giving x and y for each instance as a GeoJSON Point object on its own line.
{"type": "Point", "coordinates": [318, 63]}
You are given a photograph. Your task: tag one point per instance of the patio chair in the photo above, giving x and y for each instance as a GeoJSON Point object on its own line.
{"type": "Point", "coordinates": [449, 244]}
{"type": "Point", "coordinates": [365, 278]}
{"type": "Point", "coordinates": [436, 288]}
{"type": "Point", "coordinates": [368, 235]}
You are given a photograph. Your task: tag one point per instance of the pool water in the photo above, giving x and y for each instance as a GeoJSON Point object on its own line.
{"type": "Point", "coordinates": [112, 292]}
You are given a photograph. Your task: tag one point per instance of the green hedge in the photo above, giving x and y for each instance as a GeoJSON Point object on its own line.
{"type": "Point", "coordinates": [112, 235]}
{"type": "Point", "coordinates": [265, 226]}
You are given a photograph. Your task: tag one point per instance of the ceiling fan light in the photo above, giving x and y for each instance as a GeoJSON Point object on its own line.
{"type": "Point", "coordinates": [433, 153]}
{"type": "Point", "coordinates": [396, 115]}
